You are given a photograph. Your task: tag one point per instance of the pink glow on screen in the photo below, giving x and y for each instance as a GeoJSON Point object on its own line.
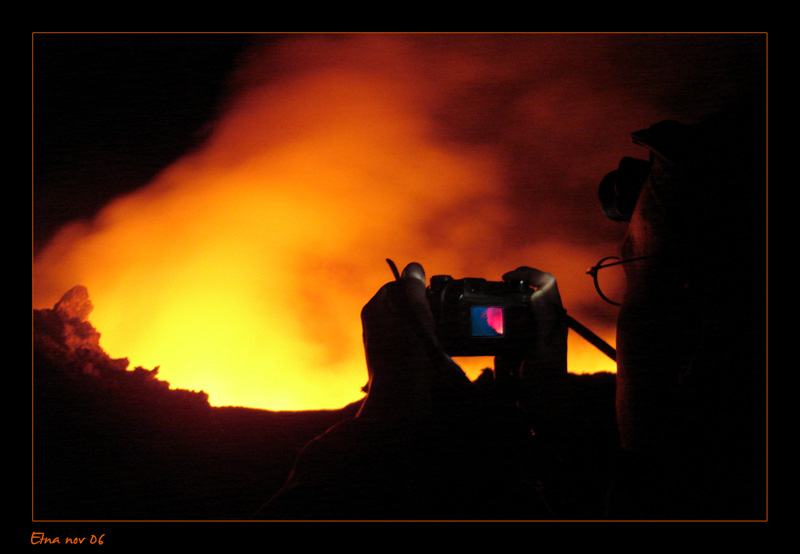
{"type": "Point", "coordinates": [494, 317]}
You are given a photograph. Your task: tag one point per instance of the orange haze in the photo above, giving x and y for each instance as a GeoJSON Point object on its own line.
{"type": "Point", "coordinates": [242, 268]}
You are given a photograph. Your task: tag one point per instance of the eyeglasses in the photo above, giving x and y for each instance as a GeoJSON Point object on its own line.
{"type": "Point", "coordinates": [604, 263]}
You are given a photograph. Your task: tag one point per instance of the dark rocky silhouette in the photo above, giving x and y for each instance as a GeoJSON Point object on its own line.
{"type": "Point", "coordinates": [111, 443]}
{"type": "Point", "coordinates": [114, 443]}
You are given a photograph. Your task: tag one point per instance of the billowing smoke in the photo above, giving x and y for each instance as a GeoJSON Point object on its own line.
{"type": "Point", "coordinates": [242, 268]}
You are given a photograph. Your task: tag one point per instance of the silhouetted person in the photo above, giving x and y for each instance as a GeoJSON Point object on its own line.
{"type": "Point", "coordinates": [691, 332]}
{"type": "Point", "coordinates": [426, 443]}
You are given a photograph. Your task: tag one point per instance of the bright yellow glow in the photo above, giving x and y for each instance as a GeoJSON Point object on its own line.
{"type": "Point", "coordinates": [241, 270]}
{"type": "Point", "coordinates": [583, 358]}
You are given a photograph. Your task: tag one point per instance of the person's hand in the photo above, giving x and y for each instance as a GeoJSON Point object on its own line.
{"type": "Point", "coordinates": [402, 352]}
{"type": "Point", "coordinates": [543, 369]}
{"type": "Point", "coordinates": [550, 342]}
{"type": "Point", "coordinates": [546, 298]}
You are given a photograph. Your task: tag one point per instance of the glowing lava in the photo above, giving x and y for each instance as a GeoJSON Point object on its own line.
{"type": "Point", "coordinates": [241, 270]}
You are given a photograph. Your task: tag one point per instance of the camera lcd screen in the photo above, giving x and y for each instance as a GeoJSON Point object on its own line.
{"type": "Point", "coordinates": [487, 321]}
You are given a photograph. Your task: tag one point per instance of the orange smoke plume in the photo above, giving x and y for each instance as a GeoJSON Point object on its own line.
{"type": "Point", "coordinates": [242, 268]}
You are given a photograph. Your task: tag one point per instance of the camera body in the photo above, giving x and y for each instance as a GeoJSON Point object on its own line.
{"type": "Point", "coordinates": [476, 317]}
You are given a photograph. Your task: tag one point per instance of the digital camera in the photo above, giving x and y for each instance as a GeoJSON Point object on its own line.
{"type": "Point", "coordinates": [476, 317]}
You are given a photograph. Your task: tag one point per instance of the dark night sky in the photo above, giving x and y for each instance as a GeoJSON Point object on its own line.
{"type": "Point", "coordinates": [110, 111]}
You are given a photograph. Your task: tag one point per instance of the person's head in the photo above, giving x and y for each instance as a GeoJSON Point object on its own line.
{"type": "Point", "coordinates": [694, 215]}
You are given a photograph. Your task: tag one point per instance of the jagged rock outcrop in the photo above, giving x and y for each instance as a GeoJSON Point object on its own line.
{"type": "Point", "coordinates": [65, 340]}
{"type": "Point", "coordinates": [119, 444]}
{"type": "Point", "coordinates": [75, 304]}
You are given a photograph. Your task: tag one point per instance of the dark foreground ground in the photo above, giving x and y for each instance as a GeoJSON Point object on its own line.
{"type": "Point", "coordinates": [114, 444]}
